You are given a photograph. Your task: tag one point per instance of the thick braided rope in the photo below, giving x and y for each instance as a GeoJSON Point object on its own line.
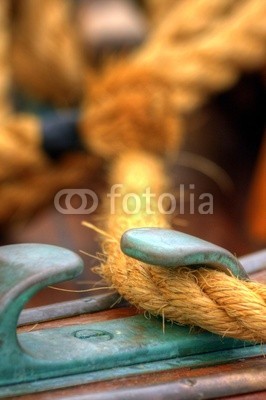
{"type": "Point", "coordinates": [47, 57]}
{"type": "Point", "coordinates": [28, 178]}
{"type": "Point", "coordinates": [141, 103]}
{"type": "Point", "coordinates": [158, 9]}
{"type": "Point", "coordinates": [197, 37]}
{"type": "Point", "coordinates": [213, 60]}
{"type": "Point", "coordinates": [184, 19]}
{"type": "Point", "coordinates": [20, 147]}
{"type": "Point", "coordinates": [4, 60]}
{"type": "Point", "coordinates": [19, 136]}
{"type": "Point", "coordinates": [42, 41]}
{"type": "Point", "coordinates": [39, 50]}
{"type": "Point", "coordinates": [21, 198]}
{"type": "Point", "coordinates": [206, 298]}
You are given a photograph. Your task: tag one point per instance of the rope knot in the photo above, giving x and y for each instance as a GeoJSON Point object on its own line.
{"type": "Point", "coordinates": [130, 108]}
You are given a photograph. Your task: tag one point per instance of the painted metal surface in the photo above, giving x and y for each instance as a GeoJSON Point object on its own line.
{"type": "Point", "coordinates": [71, 355]}
{"type": "Point", "coordinates": [76, 354]}
{"type": "Point", "coordinates": [24, 270]}
{"type": "Point", "coordinates": [169, 248]}
{"type": "Point", "coordinates": [66, 309]}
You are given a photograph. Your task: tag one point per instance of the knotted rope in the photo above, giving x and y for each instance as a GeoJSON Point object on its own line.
{"type": "Point", "coordinates": [202, 297]}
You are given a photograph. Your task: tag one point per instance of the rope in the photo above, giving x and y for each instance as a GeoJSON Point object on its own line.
{"type": "Point", "coordinates": [158, 9]}
{"type": "Point", "coordinates": [139, 103]}
{"type": "Point", "coordinates": [142, 103]}
{"type": "Point", "coordinates": [183, 20]}
{"type": "Point", "coordinates": [47, 57]}
{"type": "Point", "coordinates": [20, 147]}
{"type": "Point", "coordinates": [206, 298]}
{"type": "Point", "coordinates": [4, 60]}
{"type": "Point", "coordinates": [22, 198]}
{"type": "Point", "coordinates": [40, 51]}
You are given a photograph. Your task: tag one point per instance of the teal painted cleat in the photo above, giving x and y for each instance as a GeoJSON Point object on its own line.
{"type": "Point", "coordinates": [169, 248]}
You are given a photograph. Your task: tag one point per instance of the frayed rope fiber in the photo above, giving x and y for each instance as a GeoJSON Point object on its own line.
{"type": "Point", "coordinates": [202, 297]}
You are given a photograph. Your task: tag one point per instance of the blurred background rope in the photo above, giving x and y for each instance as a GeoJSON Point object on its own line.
{"type": "Point", "coordinates": [199, 48]}
{"type": "Point", "coordinates": [142, 102]}
{"type": "Point", "coordinates": [47, 56]}
{"type": "Point", "coordinates": [40, 53]}
{"type": "Point", "coordinates": [5, 68]}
